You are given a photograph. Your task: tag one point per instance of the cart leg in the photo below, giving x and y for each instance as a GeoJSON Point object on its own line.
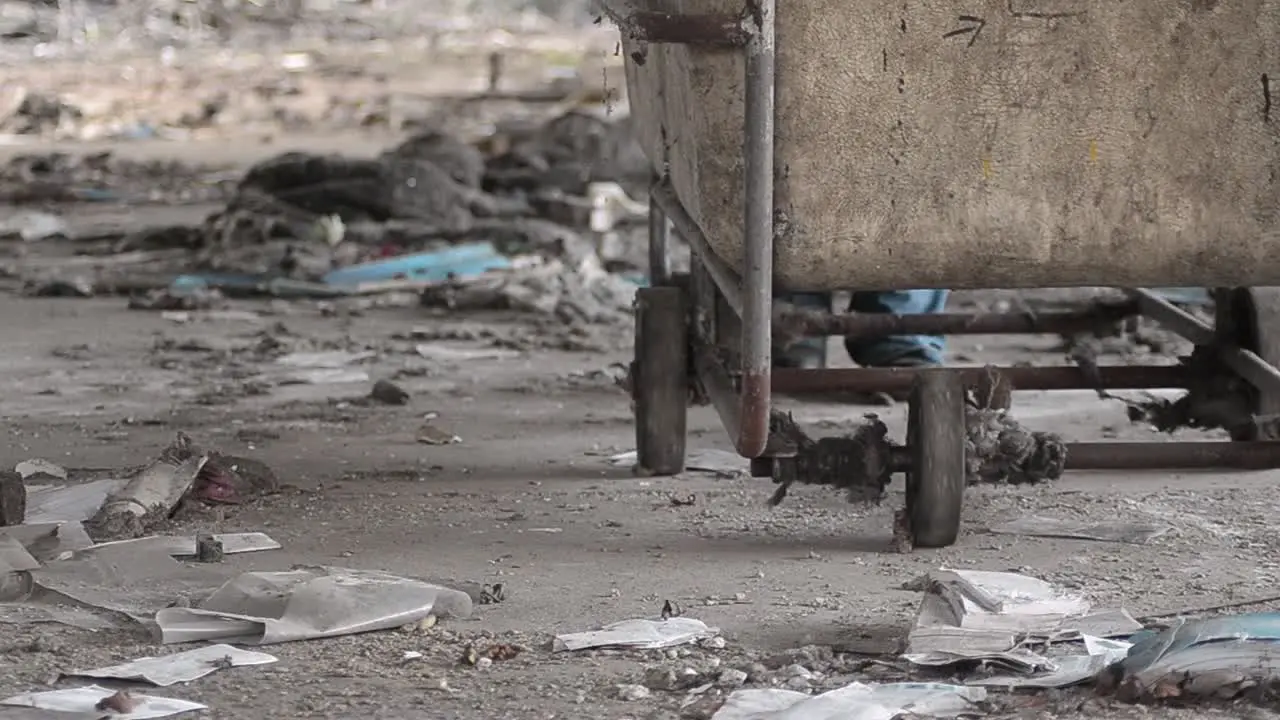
{"type": "Point", "coordinates": [936, 438]}
{"type": "Point", "coordinates": [1250, 318]}
{"type": "Point", "coordinates": [661, 380]}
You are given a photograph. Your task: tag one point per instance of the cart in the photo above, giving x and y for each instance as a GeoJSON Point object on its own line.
{"type": "Point", "coordinates": [821, 145]}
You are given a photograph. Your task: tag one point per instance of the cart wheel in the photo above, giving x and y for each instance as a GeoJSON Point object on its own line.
{"type": "Point", "coordinates": [660, 387]}
{"type": "Point", "coordinates": [936, 438]}
{"type": "Point", "coordinates": [1254, 314]}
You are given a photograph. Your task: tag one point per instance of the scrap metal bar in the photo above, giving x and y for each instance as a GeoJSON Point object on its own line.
{"type": "Point", "coordinates": [707, 30]}
{"type": "Point", "coordinates": [818, 324]}
{"type": "Point", "coordinates": [757, 261]}
{"type": "Point", "coordinates": [720, 391]}
{"type": "Point", "coordinates": [659, 236]}
{"type": "Point", "coordinates": [725, 278]}
{"type": "Point", "coordinates": [869, 380]}
{"type": "Point", "coordinates": [1256, 371]}
{"type": "Point", "coordinates": [1258, 455]}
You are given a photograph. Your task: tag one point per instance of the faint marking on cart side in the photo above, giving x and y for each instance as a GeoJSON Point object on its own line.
{"type": "Point", "coordinates": [972, 28]}
{"type": "Point", "coordinates": [1023, 9]}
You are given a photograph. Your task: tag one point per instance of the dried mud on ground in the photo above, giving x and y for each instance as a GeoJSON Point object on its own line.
{"type": "Point", "coordinates": [491, 464]}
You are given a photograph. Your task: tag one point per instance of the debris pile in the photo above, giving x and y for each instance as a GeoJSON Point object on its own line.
{"type": "Point", "coordinates": [542, 224]}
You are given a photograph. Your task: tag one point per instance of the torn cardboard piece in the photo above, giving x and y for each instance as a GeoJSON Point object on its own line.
{"type": "Point", "coordinates": [69, 503]}
{"type": "Point", "coordinates": [181, 667]}
{"type": "Point", "coordinates": [638, 634]}
{"type": "Point", "coordinates": [127, 581]}
{"type": "Point", "coordinates": [856, 701]}
{"type": "Point", "coordinates": [1066, 670]}
{"type": "Point", "coordinates": [185, 546]}
{"type": "Point", "coordinates": [86, 699]}
{"type": "Point", "coordinates": [263, 608]}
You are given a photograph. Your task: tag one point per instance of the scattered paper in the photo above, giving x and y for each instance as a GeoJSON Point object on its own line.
{"type": "Point", "coordinates": [37, 468]}
{"type": "Point", "coordinates": [68, 503]}
{"type": "Point", "coordinates": [720, 462]}
{"type": "Point", "coordinates": [262, 608]}
{"type": "Point", "coordinates": [1218, 656]}
{"type": "Point", "coordinates": [973, 615]}
{"type": "Point", "coordinates": [1066, 670]}
{"type": "Point", "coordinates": [1120, 532]}
{"type": "Point", "coordinates": [14, 557]}
{"type": "Point", "coordinates": [84, 700]}
{"type": "Point", "coordinates": [332, 359]}
{"type": "Point", "coordinates": [325, 376]}
{"type": "Point", "coordinates": [856, 701]}
{"type": "Point", "coordinates": [185, 546]}
{"type": "Point", "coordinates": [48, 541]}
{"type": "Point", "coordinates": [179, 667]}
{"type": "Point", "coordinates": [639, 633]}
{"type": "Point", "coordinates": [446, 353]}
{"type": "Point", "coordinates": [125, 580]}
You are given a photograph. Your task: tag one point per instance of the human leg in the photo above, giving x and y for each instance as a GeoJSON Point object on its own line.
{"type": "Point", "coordinates": [898, 350]}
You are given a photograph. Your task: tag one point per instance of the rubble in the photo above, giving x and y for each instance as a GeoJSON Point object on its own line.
{"type": "Point", "coordinates": [431, 215]}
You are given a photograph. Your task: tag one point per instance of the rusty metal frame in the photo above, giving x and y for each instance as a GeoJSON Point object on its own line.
{"type": "Point", "coordinates": [741, 387]}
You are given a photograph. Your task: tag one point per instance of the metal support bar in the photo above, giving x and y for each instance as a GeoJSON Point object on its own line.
{"type": "Point", "coordinates": [706, 30]}
{"type": "Point", "coordinates": [757, 261]}
{"type": "Point", "coordinates": [819, 324]}
{"type": "Point", "coordinates": [725, 278]}
{"type": "Point", "coordinates": [1256, 371]}
{"type": "Point", "coordinates": [1173, 455]}
{"type": "Point", "coordinates": [1257, 455]}
{"type": "Point", "coordinates": [720, 391]}
{"type": "Point", "coordinates": [1021, 378]}
{"type": "Point", "coordinates": [659, 236]}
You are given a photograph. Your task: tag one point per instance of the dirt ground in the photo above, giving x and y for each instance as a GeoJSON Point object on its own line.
{"type": "Point", "coordinates": [528, 499]}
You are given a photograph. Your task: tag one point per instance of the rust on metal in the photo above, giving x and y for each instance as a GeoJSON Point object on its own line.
{"type": "Point", "coordinates": [719, 388]}
{"type": "Point", "coordinates": [708, 29]}
{"type": "Point", "coordinates": [756, 397]}
{"type": "Point", "coordinates": [1023, 378]}
{"type": "Point", "coordinates": [1256, 455]}
{"type": "Point", "coordinates": [815, 323]}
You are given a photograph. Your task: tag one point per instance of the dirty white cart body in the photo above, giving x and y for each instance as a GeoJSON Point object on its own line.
{"type": "Point", "coordinates": [819, 145]}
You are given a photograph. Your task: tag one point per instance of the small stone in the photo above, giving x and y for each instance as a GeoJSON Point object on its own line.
{"type": "Point", "coordinates": [660, 679]}
{"type": "Point", "coordinates": [731, 677]}
{"type": "Point", "coordinates": [756, 672]}
{"type": "Point", "coordinates": [797, 682]}
{"type": "Point", "coordinates": [713, 643]}
{"type": "Point", "coordinates": [484, 663]}
{"type": "Point", "coordinates": [631, 693]}
{"type": "Point", "coordinates": [797, 670]}
{"type": "Point", "coordinates": [387, 392]}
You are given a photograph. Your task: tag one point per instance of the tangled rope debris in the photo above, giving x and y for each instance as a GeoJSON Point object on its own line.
{"type": "Point", "coordinates": [1000, 450]}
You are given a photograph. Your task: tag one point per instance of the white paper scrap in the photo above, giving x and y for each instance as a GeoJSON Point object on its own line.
{"type": "Point", "coordinates": [643, 634]}
{"type": "Point", "coordinates": [179, 667]}
{"type": "Point", "coordinates": [85, 700]}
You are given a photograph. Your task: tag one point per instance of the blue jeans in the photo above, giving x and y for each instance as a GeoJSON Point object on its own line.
{"type": "Point", "coordinates": [878, 352]}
